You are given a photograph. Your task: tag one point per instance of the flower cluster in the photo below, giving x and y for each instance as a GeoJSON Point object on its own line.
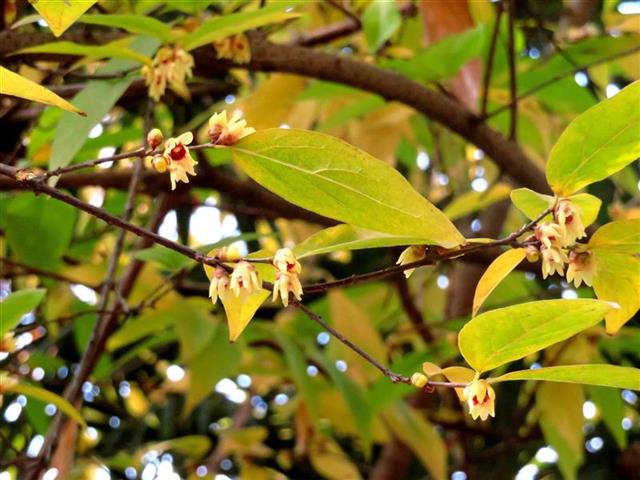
{"type": "Point", "coordinates": [558, 245]}
{"type": "Point", "coordinates": [170, 67]}
{"type": "Point", "coordinates": [481, 399]}
{"type": "Point", "coordinates": [234, 48]}
{"type": "Point", "coordinates": [287, 280]}
{"type": "Point", "coordinates": [176, 156]}
{"type": "Point", "coordinates": [243, 280]}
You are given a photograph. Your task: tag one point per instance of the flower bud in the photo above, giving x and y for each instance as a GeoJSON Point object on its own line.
{"type": "Point", "coordinates": [419, 380]}
{"type": "Point", "coordinates": [532, 254]}
{"type": "Point", "coordinates": [155, 138]}
{"type": "Point", "coordinates": [229, 254]}
{"type": "Point", "coordinates": [159, 163]}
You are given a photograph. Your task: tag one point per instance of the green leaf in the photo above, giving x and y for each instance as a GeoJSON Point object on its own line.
{"type": "Point", "coordinates": [47, 397]}
{"type": "Point", "coordinates": [18, 86]}
{"type": "Point", "coordinates": [91, 51]}
{"type": "Point", "coordinates": [38, 229]}
{"type": "Point", "coordinates": [602, 375]}
{"type": "Point", "coordinates": [222, 27]}
{"type": "Point", "coordinates": [138, 24]}
{"type": "Point", "coordinates": [417, 433]}
{"type": "Point", "coordinates": [533, 204]}
{"type": "Point", "coordinates": [598, 143]}
{"type": "Point", "coordinates": [497, 271]}
{"type": "Point", "coordinates": [163, 256]}
{"type": "Point", "coordinates": [145, 325]}
{"type": "Point", "coordinates": [380, 20]}
{"type": "Point", "coordinates": [615, 248]}
{"type": "Point", "coordinates": [501, 336]}
{"type": "Point", "coordinates": [97, 99]}
{"type": "Point", "coordinates": [331, 177]}
{"type": "Point", "coordinates": [354, 110]}
{"type": "Point", "coordinates": [347, 237]}
{"type": "Point", "coordinates": [611, 407]}
{"type": "Point", "coordinates": [60, 15]}
{"type": "Point", "coordinates": [13, 307]}
{"type": "Point", "coordinates": [191, 446]}
{"type": "Point", "coordinates": [442, 59]}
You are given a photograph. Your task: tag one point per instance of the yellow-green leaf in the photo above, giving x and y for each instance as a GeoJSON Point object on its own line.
{"type": "Point", "coordinates": [138, 24]}
{"type": "Point", "coordinates": [330, 461]}
{"type": "Point", "coordinates": [417, 433]}
{"type": "Point", "coordinates": [348, 237]}
{"type": "Point", "coordinates": [495, 273]}
{"type": "Point", "coordinates": [240, 310]}
{"type": "Point", "coordinates": [602, 375]}
{"type": "Point", "coordinates": [58, 14]}
{"type": "Point", "coordinates": [13, 307]}
{"type": "Point", "coordinates": [533, 204]}
{"type": "Point", "coordinates": [616, 255]}
{"type": "Point", "coordinates": [470, 202]}
{"type": "Point", "coordinates": [598, 143]}
{"type": "Point", "coordinates": [47, 397]}
{"type": "Point", "coordinates": [328, 176]}
{"type": "Point", "coordinates": [91, 51]}
{"type": "Point", "coordinates": [18, 86]}
{"type": "Point", "coordinates": [501, 336]}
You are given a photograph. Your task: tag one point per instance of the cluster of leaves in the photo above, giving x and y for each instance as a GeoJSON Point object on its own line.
{"type": "Point", "coordinates": [338, 403]}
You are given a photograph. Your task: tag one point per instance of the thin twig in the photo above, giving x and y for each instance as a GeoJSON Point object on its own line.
{"type": "Point", "coordinates": [486, 81]}
{"type": "Point", "coordinates": [513, 88]}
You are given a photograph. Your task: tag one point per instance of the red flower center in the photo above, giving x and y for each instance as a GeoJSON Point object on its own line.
{"type": "Point", "coordinates": [178, 152]}
{"type": "Point", "coordinates": [569, 219]}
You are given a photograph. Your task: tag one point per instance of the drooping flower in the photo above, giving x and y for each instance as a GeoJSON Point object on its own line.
{"type": "Point", "coordinates": [179, 160]}
{"type": "Point", "coordinates": [286, 283]}
{"type": "Point", "coordinates": [569, 219]}
{"type": "Point", "coordinates": [410, 255]}
{"type": "Point", "coordinates": [550, 234]}
{"type": "Point", "coordinates": [228, 132]}
{"type": "Point", "coordinates": [171, 66]}
{"type": "Point", "coordinates": [285, 261]}
{"type": "Point", "coordinates": [553, 260]}
{"type": "Point", "coordinates": [481, 399]}
{"type": "Point", "coordinates": [245, 278]}
{"type": "Point", "coordinates": [235, 48]}
{"type": "Point", "coordinates": [581, 268]}
{"type": "Point", "coordinates": [219, 286]}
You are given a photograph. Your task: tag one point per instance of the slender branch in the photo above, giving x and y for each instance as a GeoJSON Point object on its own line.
{"type": "Point", "coordinates": [415, 316]}
{"type": "Point", "coordinates": [30, 270]}
{"type": "Point", "coordinates": [339, 6]}
{"type": "Point", "coordinates": [513, 88]}
{"type": "Point", "coordinates": [92, 163]}
{"type": "Point", "coordinates": [486, 81]}
{"type": "Point", "coordinates": [555, 78]}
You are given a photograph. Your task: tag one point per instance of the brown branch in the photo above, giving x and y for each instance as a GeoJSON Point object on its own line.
{"type": "Point", "coordinates": [415, 316]}
{"type": "Point", "coordinates": [513, 88]}
{"type": "Point", "coordinates": [486, 81]}
{"type": "Point", "coordinates": [30, 270]}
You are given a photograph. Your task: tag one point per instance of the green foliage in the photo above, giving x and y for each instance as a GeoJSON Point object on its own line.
{"type": "Point", "coordinates": [46, 396]}
{"type": "Point", "coordinates": [90, 51]}
{"type": "Point", "coordinates": [532, 204]}
{"type": "Point", "coordinates": [601, 375]}
{"type": "Point", "coordinates": [349, 185]}
{"type": "Point", "coordinates": [380, 20]}
{"type": "Point", "coordinates": [13, 307]}
{"type": "Point", "coordinates": [136, 24]}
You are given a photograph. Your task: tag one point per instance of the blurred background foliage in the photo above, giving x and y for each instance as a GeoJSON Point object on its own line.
{"type": "Point", "coordinates": [170, 396]}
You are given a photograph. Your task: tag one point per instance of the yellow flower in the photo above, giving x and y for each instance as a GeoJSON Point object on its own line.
{"type": "Point", "coordinates": [285, 261]}
{"type": "Point", "coordinates": [179, 160]}
{"type": "Point", "coordinates": [581, 268]}
{"type": "Point", "coordinates": [235, 48]}
{"type": "Point", "coordinates": [228, 132]}
{"type": "Point", "coordinates": [553, 260]}
{"type": "Point", "coordinates": [245, 278]}
{"type": "Point", "coordinates": [550, 234]}
{"type": "Point", "coordinates": [410, 255]}
{"type": "Point", "coordinates": [481, 399]}
{"type": "Point", "coordinates": [286, 283]}
{"type": "Point", "coordinates": [219, 286]}
{"type": "Point", "coordinates": [569, 219]}
{"type": "Point", "coordinates": [171, 66]}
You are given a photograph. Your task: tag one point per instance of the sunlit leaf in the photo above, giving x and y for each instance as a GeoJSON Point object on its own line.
{"type": "Point", "coordinates": [585, 153]}
{"type": "Point", "coordinates": [222, 27]}
{"type": "Point", "coordinates": [47, 397]}
{"type": "Point", "coordinates": [603, 375]}
{"type": "Point", "coordinates": [13, 307]}
{"type": "Point", "coordinates": [453, 374]}
{"type": "Point", "coordinates": [532, 204]}
{"type": "Point", "coordinates": [495, 273]}
{"type": "Point", "coordinates": [61, 15]}
{"type": "Point", "coordinates": [18, 86]}
{"type": "Point", "coordinates": [139, 24]}
{"type": "Point", "coordinates": [330, 177]}
{"type": "Point", "coordinates": [500, 336]}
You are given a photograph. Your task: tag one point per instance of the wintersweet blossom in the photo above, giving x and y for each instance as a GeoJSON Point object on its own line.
{"type": "Point", "coordinates": [410, 255]}
{"type": "Point", "coordinates": [550, 234]}
{"type": "Point", "coordinates": [245, 278]}
{"type": "Point", "coordinates": [285, 261]}
{"type": "Point", "coordinates": [480, 398]}
{"type": "Point", "coordinates": [235, 48]}
{"type": "Point", "coordinates": [286, 283]}
{"type": "Point", "coordinates": [228, 132]}
{"type": "Point", "coordinates": [569, 219]}
{"type": "Point", "coordinates": [171, 67]}
{"type": "Point", "coordinates": [219, 286]}
{"type": "Point", "coordinates": [553, 260]}
{"type": "Point", "coordinates": [179, 160]}
{"type": "Point", "coordinates": [581, 268]}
